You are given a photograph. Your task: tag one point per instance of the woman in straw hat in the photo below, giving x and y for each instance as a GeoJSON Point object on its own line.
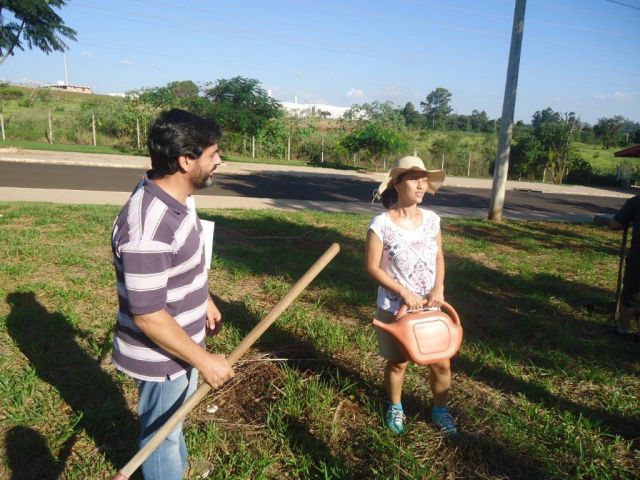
{"type": "Point", "coordinates": [404, 256]}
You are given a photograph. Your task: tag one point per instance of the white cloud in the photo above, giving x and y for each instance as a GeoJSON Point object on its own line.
{"type": "Point", "coordinates": [625, 95]}
{"type": "Point", "coordinates": [88, 54]}
{"type": "Point", "coordinates": [618, 96]}
{"type": "Point", "coordinates": [126, 62]}
{"type": "Point", "coordinates": [355, 93]}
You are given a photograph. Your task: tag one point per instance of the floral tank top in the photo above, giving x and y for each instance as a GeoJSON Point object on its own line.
{"type": "Point", "coordinates": [408, 256]}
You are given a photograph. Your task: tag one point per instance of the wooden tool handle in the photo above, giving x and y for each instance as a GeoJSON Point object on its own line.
{"type": "Point", "coordinates": [233, 357]}
{"type": "Point", "coordinates": [623, 254]}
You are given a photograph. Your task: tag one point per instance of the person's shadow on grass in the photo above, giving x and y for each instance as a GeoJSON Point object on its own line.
{"type": "Point", "coordinates": [48, 341]}
{"type": "Point", "coordinates": [29, 458]}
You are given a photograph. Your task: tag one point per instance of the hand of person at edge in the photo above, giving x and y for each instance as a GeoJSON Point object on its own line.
{"type": "Point", "coordinates": [411, 300]}
{"type": "Point", "coordinates": [214, 319]}
{"type": "Point", "coordinates": [435, 298]}
{"type": "Point", "coordinates": [216, 370]}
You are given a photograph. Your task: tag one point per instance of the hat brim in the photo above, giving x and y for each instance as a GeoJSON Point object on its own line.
{"type": "Point", "coordinates": [435, 178]}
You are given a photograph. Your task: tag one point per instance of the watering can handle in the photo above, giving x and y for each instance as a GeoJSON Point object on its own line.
{"type": "Point", "coordinates": [447, 307]}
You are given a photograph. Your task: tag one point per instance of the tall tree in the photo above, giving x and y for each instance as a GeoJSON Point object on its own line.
{"type": "Point", "coordinates": [412, 117]}
{"type": "Point", "coordinates": [437, 105]}
{"type": "Point", "coordinates": [34, 22]}
{"type": "Point", "coordinates": [242, 105]}
{"type": "Point", "coordinates": [607, 130]}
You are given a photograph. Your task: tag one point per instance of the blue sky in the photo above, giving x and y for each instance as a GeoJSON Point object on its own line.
{"type": "Point", "coordinates": [577, 55]}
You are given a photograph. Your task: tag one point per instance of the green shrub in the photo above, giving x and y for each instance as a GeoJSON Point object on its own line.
{"type": "Point", "coordinates": [10, 93]}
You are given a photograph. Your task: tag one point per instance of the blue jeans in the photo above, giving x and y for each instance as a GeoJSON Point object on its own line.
{"type": "Point", "coordinates": [158, 401]}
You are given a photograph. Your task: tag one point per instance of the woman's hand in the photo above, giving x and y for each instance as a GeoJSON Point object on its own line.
{"type": "Point", "coordinates": [435, 298]}
{"type": "Point", "coordinates": [411, 300]}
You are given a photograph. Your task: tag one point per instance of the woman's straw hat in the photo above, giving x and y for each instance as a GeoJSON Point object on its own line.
{"type": "Point", "coordinates": [435, 178]}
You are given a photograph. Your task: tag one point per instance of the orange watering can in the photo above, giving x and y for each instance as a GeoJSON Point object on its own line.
{"type": "Point", "coordinates": [425, 336]}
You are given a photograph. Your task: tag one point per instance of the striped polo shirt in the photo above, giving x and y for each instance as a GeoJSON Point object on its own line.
{"type": "Point", "coordinates": [158, 254]}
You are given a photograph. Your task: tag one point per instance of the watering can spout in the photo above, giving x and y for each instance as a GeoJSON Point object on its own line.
{"type": "Point", "coordinates": [382, 325]}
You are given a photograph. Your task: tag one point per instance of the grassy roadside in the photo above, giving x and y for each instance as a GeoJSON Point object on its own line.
{"type": "Point", "coordinates": [59, 147]}
{"type": "Point", "coordinates": [62, 147]}
{"type": "Point", "coordinates": [541, 390]}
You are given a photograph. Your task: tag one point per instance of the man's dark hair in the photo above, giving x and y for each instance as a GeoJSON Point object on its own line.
{"type": "Point", "coordinates": [176, 133]}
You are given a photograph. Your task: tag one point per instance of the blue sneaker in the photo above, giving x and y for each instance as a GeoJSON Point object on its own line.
{"type": "Point", "coordinates": [395, 419]}
{"type": "Point", "coordinates": [444, 421]}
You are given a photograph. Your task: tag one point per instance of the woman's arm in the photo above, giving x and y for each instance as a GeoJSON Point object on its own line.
{"type": "Point", "coordinates": [436, 296]}
{"type": "Point", "coordinates": [372, 257]}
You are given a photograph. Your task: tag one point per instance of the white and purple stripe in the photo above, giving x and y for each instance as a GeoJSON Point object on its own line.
{"type": "Point", "coordinates": [158, 255]}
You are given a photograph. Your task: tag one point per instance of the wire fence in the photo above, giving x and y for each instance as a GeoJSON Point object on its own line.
{"type": "Point", "coordinates": [317, 148]}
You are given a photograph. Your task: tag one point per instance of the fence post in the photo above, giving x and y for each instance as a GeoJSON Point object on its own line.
{"type": "Point", "coordinates": [253, 146]}
{"type": "Point", "coordinates": [289, 147]}
{"type": "Point", "coordinates": [138, 133]}
{"type": "Point", "coordinates": [50, 129]}
{"type": "Point", "coordinates": [442, 167]}
{"type": "Point", "coordinates": [2, 126]}
{"type": "Point", "coordinates": [322, 151]}
{"type": "Point", "coordinates": [93, 128]}
{"type": "Point", "coordinates": [469, 164]}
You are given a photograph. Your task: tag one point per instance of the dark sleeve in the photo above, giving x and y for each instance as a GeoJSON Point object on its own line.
{"type": "Point", "coordinates": [627, 213]}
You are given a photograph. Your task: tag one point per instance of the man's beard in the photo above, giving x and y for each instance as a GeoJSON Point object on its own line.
{"type": "Point", "coordinates": [202, 180]}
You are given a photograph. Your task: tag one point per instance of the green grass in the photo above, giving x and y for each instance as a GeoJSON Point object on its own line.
{"type": "Point", "coordinates": [602, 160]}
{"type": "Point", "coordinates": [271, 161]}
{"type": "Point", "coordinates": [540, 388]}
{"type": "Point", "coordinates": [59, 147]}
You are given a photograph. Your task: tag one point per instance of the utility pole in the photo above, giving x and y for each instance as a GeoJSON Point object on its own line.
{"type": "Point", "coordinates": [506, 121]}
{"type": "Point", "coordinates": [66, 74]}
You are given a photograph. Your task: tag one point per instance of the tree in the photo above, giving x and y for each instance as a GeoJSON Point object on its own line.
{"type": "Point", "coordinates": [550, 145]}
{"type": "Point", "coordinates": [480, 122]}
{"type": "Point", "coordinates": [183, 89]}
{"type": "Point", "coordinates": [437, 105]}
{"type": "Point", "coordinates": [376, 129]}
{"type": "Point", "coordinates": [527, 157]}
{"type": "Point", "coordinates": [607, 129]}
{"type": "Point", "coordinates": [241, 105]}
{"type": "Point", "coordinates": [34, 22]}
{"type": "Point", "coordinates": [411, 116]}
{"type": "Point", "coordinates": [542, 117]}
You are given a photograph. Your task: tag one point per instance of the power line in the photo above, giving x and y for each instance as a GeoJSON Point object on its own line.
{"type": "Point", "coordinates": [623, 4]}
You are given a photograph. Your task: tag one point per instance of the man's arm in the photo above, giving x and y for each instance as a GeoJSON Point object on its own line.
{"type": "Point", "coordinates": [164, 331]}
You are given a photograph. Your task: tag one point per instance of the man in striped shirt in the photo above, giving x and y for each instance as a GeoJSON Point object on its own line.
{"type": "Point", "coordinates": [164, 302]}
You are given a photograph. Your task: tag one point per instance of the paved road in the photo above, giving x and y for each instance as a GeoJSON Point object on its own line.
{"type": "Point", "coordinates": [288, 186]}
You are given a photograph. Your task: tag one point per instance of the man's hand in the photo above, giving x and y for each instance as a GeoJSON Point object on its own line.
{"type": "Point", "coordinates": [214, 318]}
{"type": "Point", "coordinates": [215, 370]}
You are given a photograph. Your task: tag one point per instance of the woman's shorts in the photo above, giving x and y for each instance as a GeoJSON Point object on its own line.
{"type": "Point", "coordinates": [630, 297]}
{"type": "Point", "coordinates": [387, 347]}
